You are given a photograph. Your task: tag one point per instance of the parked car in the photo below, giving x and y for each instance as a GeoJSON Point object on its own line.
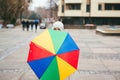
{"type": "Point", "coordinates": [1, 26]}
{"type": "Point", "coordinates": [10, 26]}
{"type": "Point", "coordinates": [42, 26]}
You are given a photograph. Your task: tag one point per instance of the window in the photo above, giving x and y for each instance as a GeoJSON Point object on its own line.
{"type": "Point", "coordinates": [108, 7]}
{"type": "Point", "coordinates": [74, 6]}
{"type": "Point", "coordinates": [99, 7]}
{"type": "Point", "coordinates": [62, 8]}
{"type": "Point", "coordinates": [88, 8]}
{"type": "Point", "coordinates": [112, 6]}
{"type": "Point", "coordinates": [116, 6]}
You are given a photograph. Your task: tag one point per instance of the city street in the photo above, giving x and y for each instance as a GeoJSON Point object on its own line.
{"type": "Point", "coordinates": [99, 55]}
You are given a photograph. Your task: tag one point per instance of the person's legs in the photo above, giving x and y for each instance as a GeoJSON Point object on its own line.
{"type": "Point", "coordinates": [36, 27]}
{"type": "Point", "coordinates": [23, 27]}
{"type": "Point", "coordinates": [27, 28]}
{"type": "Point", "coordinates": [31, 27]}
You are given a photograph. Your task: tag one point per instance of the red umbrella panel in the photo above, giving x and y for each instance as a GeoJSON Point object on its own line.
{"type": "Point", "coordinates": [53, 55]}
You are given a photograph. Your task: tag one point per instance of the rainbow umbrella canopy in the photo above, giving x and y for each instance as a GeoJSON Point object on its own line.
{"type": "Point", "coordinates": [53, 55]}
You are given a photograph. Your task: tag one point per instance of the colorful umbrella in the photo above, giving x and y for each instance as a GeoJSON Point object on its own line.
{"type": "Point", "coordinates": [53, 55]}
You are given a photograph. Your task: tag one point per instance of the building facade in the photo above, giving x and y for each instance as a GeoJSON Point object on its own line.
{"type": "Point", "coordinates": [99, 12]}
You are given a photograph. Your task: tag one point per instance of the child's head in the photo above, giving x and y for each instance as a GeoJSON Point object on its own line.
{"type": "Point", "coordinates": [58, 26]}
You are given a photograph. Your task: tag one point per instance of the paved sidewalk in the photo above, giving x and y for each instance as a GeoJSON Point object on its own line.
{"type": "Point", "coordinates": [99, 56]}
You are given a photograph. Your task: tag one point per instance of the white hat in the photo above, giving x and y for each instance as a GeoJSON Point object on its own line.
{"type": "Point", "coordinates": [59, 25]}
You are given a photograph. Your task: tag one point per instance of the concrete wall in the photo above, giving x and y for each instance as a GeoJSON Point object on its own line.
{"type": "Point", "coordinates": [94, 9]}
{"type": "Point", "coordinates": [103, 13]}
{"type": "Point", "coordinates": [73, 1]}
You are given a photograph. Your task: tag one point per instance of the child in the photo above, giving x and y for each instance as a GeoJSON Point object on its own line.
{"type": "Point", "coordinates": [58, 25]}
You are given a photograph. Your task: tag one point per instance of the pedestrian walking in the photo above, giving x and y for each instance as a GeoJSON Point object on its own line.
{"type": "Point", "coordinates": [31, 23]}
{"type": "Point", "coordinates": [36, 24]}
{"type": "Point", "coordinates": [27, 24]}
{"type": "Point", "coordinates": [23, 25]}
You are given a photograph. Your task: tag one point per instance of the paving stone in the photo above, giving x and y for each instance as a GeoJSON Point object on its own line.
{"type": "Point", "coordinates": [103, 50]}
{"type": "Point", "coordinates": [99, 55]}
{"type": "Point", "coordinates": [112, 65]}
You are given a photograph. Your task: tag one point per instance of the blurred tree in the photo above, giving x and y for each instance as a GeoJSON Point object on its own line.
{"type": "Point", "coordinates": [53, 8]}
{"type": "Point", "coordinates": [43, 12]}
{"type": "Point", "coordinates": [10, 10]}
{"type": "Point", "coordinates": [34, 15]}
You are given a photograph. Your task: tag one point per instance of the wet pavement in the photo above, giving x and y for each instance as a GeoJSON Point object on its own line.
{"type": "Point", "coordinates": [99, 56]}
